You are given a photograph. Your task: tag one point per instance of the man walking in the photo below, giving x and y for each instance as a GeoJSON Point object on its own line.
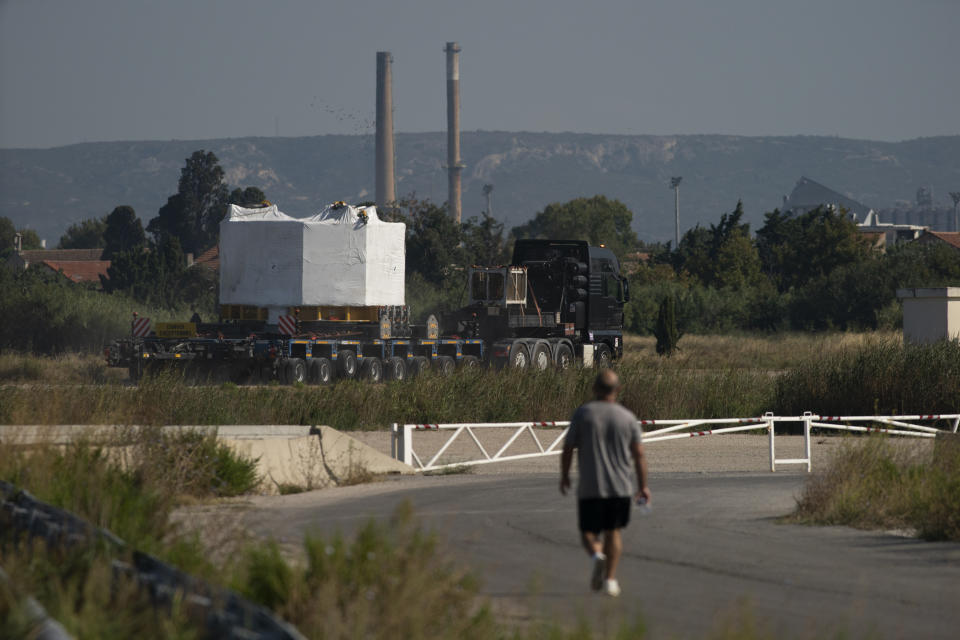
{"type": "Point", "coordinates": [609, 445]}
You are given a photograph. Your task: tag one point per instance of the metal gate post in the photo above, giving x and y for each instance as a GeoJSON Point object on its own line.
{"type": "Point", "coordinates": [394, 437]}
{"type": "Point", "coordinates": [773, 457]}
{"type": "Point", "coordinates": [406, 445]}
{"type": "Point", "coordinates": [807, 419]}
{"type": "Point", "coordinates": [956, 423]}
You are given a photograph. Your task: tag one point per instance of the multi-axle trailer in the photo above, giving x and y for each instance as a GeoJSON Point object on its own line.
{"type": "Point", "coordinates": [558, 305]}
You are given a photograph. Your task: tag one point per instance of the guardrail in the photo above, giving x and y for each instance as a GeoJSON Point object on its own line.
{"type": "Point", "coordinates": [402, 435]}
{"type": "Point", "coordinates": [223, 613]}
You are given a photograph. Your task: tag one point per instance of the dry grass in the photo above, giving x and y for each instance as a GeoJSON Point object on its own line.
{"type": "Point", "coordinates": [872, 483]}
{"type": "Point", "coordinates": [71, 368]}
{"type": "Point", "coordinates": [773, 352]}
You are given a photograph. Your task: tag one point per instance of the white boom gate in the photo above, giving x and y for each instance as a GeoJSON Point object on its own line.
{"type": "Point", "coordinates": [556, 431]}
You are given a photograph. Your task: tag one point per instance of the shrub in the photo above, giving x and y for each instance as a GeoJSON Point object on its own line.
{"type": "Point", "coordinates": [870, 483]}
{"type": "Point", "coordinates": [390, 580]}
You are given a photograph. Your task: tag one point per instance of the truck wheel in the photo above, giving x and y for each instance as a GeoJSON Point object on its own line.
{"type": "Point", "coordinates": [320, 371]}
{"type": "Point", "coordinates": [541, 359]}
{"type": "Point", "coordinates": [372, 369]}
{"type": "Point", "coordinates": [395, 369]}
{"type": "Point", "coordinates": [519, 357]}
{"type": "Point", "coordinates": [281, 371]}
{"type": "Point", "coordinates": [564, 357]}
{"type": "Point", "coordinates": [469, 362]}
{"type": "Point", "coordinates": [602, 356]}
{"type": "Point", "coordinates": [296, 371]}
{"type": "Point", "coordinates": [418, 365]}
{"type": "Point", "coordinates": [445, 365]}
{"type": "Point", "coordinates": [346, 363]}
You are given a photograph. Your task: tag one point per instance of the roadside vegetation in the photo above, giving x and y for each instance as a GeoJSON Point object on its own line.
{"type": "Point", "coordinates": [871, 484]}
{"type": "Point", "coordinates": [710, 377]}
{"type": "Point", "coordinates": [387, 580]}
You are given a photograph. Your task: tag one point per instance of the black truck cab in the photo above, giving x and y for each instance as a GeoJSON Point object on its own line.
{"type": "Point", "coordinates": [580, 283]}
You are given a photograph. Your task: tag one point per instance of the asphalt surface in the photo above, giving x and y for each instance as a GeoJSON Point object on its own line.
{"type": "Point", "coordinates": [712, 543]}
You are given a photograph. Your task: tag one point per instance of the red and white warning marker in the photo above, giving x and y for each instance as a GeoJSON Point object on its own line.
{"type": "Point", "coordinates": [287, 325]}
{"type": "Point", "coordinates": [140, 327]}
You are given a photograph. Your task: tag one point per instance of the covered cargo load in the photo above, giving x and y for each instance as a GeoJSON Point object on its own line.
{"type": "Point", "coordinates": [343, 256]}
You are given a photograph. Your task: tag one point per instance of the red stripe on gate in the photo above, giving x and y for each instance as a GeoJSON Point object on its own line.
{"type": "Point", "coordinates": [287, 325]}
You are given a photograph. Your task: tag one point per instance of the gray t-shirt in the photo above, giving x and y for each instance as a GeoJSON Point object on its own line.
{"type": "Point", "coordinates": [602, 433]}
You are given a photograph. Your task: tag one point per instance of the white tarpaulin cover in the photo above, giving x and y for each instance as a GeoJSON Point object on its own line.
{"type": "Point", "coordinates": [343, 256]}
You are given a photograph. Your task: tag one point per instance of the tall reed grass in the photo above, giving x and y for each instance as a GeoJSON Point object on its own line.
{"type": "Point", "coordinates": [879, 377]}
{"type": "Point", "coordinates": [472, 395]}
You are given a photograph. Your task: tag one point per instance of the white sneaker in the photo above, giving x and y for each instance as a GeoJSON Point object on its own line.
{"type": "Point", "coordinates": [611, 588]}
{"type": "Point", "coordinates": [599, 570]}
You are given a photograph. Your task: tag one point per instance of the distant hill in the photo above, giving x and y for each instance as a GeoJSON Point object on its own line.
{"type": "Point", "coordinates": [47, 189]}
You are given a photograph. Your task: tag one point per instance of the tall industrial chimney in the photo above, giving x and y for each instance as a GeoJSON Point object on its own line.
{"type": "Point", "coordinates": [454, 166]}
{"type": "Point", "coordinates": [386, 192]}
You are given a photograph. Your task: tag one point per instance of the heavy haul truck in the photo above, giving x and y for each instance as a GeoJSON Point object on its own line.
{"type": "Point", "coordinates": [558, 304]}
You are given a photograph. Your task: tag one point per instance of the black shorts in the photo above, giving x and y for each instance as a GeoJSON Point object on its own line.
{"type": "Point", "coordinates": [603, 514]}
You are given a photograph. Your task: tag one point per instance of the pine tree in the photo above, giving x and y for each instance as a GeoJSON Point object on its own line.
{"type": "Point", "coordinates": [666, 329]}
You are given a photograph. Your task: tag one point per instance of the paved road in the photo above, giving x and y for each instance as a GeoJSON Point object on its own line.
{"type": "Point", "coordinates": [711, 540]}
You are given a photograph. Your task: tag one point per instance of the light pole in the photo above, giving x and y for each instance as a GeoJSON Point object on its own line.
{"type": "Point", "coordinates": [956, 200]}
{"type": "Point", "coordinates": [487, 189]}
{"type": "Point", "coordinates": [675, 185]}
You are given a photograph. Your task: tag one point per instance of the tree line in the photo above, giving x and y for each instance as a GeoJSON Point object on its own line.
{"type": "Point", "coordinates": [813, 271]}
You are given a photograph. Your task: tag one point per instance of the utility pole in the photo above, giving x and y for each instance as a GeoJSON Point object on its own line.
{"type": "Point", "coordinates": [487, 190]}
{"type": "Point", "coordinates": [675, 185]}
{"type": "Point", "coordinates": [956, 200]}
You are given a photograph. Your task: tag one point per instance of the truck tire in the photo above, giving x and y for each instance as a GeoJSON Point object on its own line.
{"type": "Point", "coordinates": [418, 365]}
{"type": "Point", "coordinates": [281, 371]}
{"type": "Point", "coordinates": [320, 371]}
{"type": "Point", "coordinates": [564, 357]}
{"type": "Point", "coordinates": [295, 371]}
{"type": "Point", "coordinates": [445, 365]}
{"type": "Point", "coordinates": [519, 357]}
{"type": "Point", "coordinates": [602, 356]}
{"type": "Point", "coordinates": [542, 359]}
{"type": "Point", "coordinates": [346, 363]}
{"type": "Point", "coordinates": [469, 362]}
{"type": "Point", "coordinates": [395, 369]}
{"type": "Point", "coordinates": [371, 369]}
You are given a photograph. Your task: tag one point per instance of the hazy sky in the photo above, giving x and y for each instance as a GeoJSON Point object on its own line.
{"type": "Point", "coordinates": [73, 71]}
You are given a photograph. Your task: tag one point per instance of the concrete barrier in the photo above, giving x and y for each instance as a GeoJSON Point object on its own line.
{"type": "Point", "coordinates": [308, 457]}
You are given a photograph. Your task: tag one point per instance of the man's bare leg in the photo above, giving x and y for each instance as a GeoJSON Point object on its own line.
{"type": "Point", "coordinates": [591, 542]}
{"type": "Point", "coordinates": [612, 548]}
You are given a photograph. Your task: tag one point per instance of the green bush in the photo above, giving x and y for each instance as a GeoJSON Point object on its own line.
{"type": "Point", "coordinates": [391, 580]}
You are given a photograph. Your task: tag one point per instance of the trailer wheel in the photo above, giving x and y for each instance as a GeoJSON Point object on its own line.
{"type": "Point", "coordinates": [346, 364]}
{"type": "Point", "coordinates": [541, 359]}
{"type": "Point", "coordinates": [418, 365]}
{"type": "Point", "coordinates": [602, 356]}
{"type": "Point", "coordinates": [295, 371]}
{"type": "Point", "coordinates": [372, 369]}
{"type": "Point", "coordinates": [319, 371]}
{"type": "Point", "coordinates": [564, 357]}
{"type": "Point", "coordinates": [469, 362]}
{"type": "Point", "coordinates": [445, 365]}
{"type": "Point", "coordinates": [395, 369]}
{"type": "Point", "coordinates": [519, 357]}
